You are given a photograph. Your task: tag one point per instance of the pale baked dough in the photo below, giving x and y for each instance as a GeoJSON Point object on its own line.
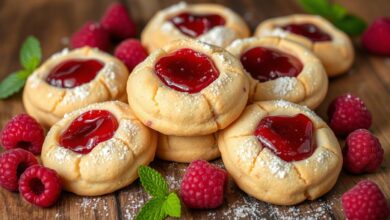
{"type": "Point", "coordinates": [48, 103]}
{"type": "Point", "coordinates": [182, 114]}
{"type": "Point", "coordinates": [112, 164]}
{"type": "Point", "coordinates": [265, 176]}
{"type": "Point", "coordinates": [159, 31]}
{"type": "Point", "coordinates": [336, 55]}
{"type": "Point", "coordinates": [187, 149]}
{"type": "Point", "coordinates": [308, 88]}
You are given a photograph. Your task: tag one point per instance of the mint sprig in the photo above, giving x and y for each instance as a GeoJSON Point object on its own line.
{"type": "Point", "coordinates": [163, 203]}
{"type": "Point", "coordinates": [335, 13]}
{"type": "Point", "coordinates": [30, 58]}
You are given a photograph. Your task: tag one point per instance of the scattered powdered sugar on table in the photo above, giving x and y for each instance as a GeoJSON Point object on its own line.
{"type": "Point", "coordinates": [97, 205]}
{"type": "Point", "coordinates": [295, 212]}
{"type": "Point", "coordinates": [284, 85]}
{"type": "Point", "coordinates": [219, 36]}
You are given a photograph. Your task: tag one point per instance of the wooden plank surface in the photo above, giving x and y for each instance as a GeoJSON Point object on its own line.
{"type": "Point", "coordinates": [53, 21]}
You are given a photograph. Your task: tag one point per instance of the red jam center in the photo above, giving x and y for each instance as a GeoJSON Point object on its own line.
{"type": "Point", "coordinates": [88, 130]}
{"type": "Point", "coordinates": [266, 64]}
{"type": "Point", "coordinates": [73, 73]}
{"type": "Point", "coordinates": [290, 138]}
{"type": "Point", "coordinates": [195, 25]}
{"type": "Point", "coordinates": [310, 31]}
{"type": "Point", "coordinates": [186, 70]}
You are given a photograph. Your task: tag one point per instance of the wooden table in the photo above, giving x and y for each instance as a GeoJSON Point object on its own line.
{"type": "Point", "coordinates": [54, 21]}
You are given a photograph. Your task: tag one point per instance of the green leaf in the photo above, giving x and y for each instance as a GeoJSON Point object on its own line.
{"type": "Point", "coordinates": [153, 182]}
{"type": "Point", "coordinates": [172, 206]}
{"type": "Point", "coordinates": [30, 53]}
{"type": "Point", "coordinates": [337, 12]}
{"type": "Point", "coordinates": [152, 210]}
{"type": "Point", "coordinates": [319, 7]}
{"type": "Point", "coordinates": [13, 83]}
{"type": "Point", "coordinates": [351, 25]}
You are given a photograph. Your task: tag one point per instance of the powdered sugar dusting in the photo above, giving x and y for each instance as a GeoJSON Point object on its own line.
{"type": "Point", "coordinates": [249, 150]}
{"type": "Point", "coordinates": [287, 105]}
{"type": "Point", "coordinates": [109, 77]}
{"type": "Point", "coordinates": [76, 94]}
{"type": "Point", "coordinates": [239, 42]}
{"type": "Point", "coordinates": [130, 127]}
{"type": "Point", "coordinates": [219, 86]}
{"type": "Point", "coordinates": [274, 32]}
{"type": "Point", "coordinates": [279, 168]}
{"type": "Point", "coordinates": [284, 85]}
{"type": "Point", "coordinates": [219, 36]}
{"type": "Point", "coordinates": [113, 149]}
{"type": "Point", "coordinates": [62, 53]}
{"type": "Point", "coordinates": [34, 81]}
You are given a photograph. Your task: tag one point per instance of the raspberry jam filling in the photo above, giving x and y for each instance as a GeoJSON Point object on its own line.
{"type": "Point", "coordinates": [195, 25]}
{"type": "Point", "coordinates": [310, 31]}
{"type": "Point", "coordinates": [186, 70]}
{"type": "Point", "coordinates": [73, 73]}
{"type": "Point", "coordinates": [88, 130]}
{"type": "Point", "coordinates": [266, 64]}
{"type": "Point", "coordinates": [290, 138]}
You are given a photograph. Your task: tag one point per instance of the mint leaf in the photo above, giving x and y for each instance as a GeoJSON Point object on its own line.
{"type": "Point", "coordinates": [315, 6]}
{"type": "Point", "coordinates": [152, 210]}
{"type": "Point", "coordinates": [172, 206]}
{"type": "Point", "coordinates": [153, 182]}
{"type": "Point", "coordinates": [13, 83]}
{"type": "Point", "coordinates": [351, 25]}
{"type": "Point", "coordinates": [335, 13]}
{"type": "Point", "coordinates": [30, 53]}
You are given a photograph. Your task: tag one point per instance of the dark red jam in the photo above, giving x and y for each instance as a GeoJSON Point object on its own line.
{"type": "Point", "coordinates": [290, 138]}
{"type": "Point", "coordinates": [195, 25]}
{"type": "Point", "coordinates": [73, 73]}
{"type": "Point", "coordinates": [308, 30]}
{"type": "Point", "coordinates": [266, 64]}
{"type": "Point", "coordinates": [88, 130]}
{"type": "Point", "coordinates": [186, 70]}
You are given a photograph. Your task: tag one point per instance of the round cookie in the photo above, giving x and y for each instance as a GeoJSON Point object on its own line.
{"type": "Point", "coordinates": [108, 165]}
{"type": "Point", "coordinates": [188, 88]}
{"type": "Point", "coordinates": [187, 149]}
{"type": "Point", "coordinates": [335, 50]}
{"type": "Point", "coordinates": [48, 103]}
{"type": "Point", "coordinates": [168, 25]}
{"type": "Point", "coordinates": [308, 88]}
{"type": "Point", "coordinates": [257, 166]}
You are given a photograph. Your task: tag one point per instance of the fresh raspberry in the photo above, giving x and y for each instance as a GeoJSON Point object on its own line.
{"type": "Point", "coordinates": [203, 185]}
{"type": "Point", "coordinates": [91, 34]}
{"type": "Point", "coordinates": [376, 38]}
{"type": "Point", "coordinates": [40, 186]}
{"type": "Point", "coordinates": [365, 201]}
{"type": "Point", "coordinates": [131, 52]}
{"type": "Point", "coordinates": [24, 132]}
{"type": "Point", "coordinates": [118, 22]}
{"type": "Point", "coordinates": [12, 164]}
{"type": "Point", "coordinates": [347, 113]}
{"type": "Point", "coordinates": [362, 152]}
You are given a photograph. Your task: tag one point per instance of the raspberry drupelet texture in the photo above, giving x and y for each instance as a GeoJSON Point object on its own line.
{"type": "Point", "coordinates": [362, 153]}
{"type": "Point", "coordinates": [91, 34]}
{"type": "Point", "coordinates": [23, 131]}
{"type": "Point", "coordinates": [203, 185]}
{"type": "Point", "coordinates": [118, 22]}
{"type": "Point", "coordinates": [131, 53]}
{"type": "Point", "coordinates": [12, 164]}
{"type": "Point", "coordinates": [365, 201]}
{"type": "Point", "coordinates": [40, 186]}
{"type": "Point", "coordinates": [347, 113]}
